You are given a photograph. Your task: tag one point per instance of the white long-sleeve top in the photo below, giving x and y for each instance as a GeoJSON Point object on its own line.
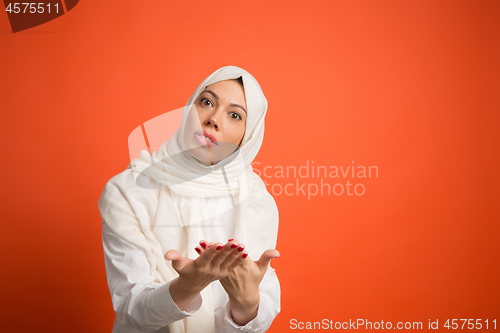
{"type": "Point", "coordinates": [143, 304]}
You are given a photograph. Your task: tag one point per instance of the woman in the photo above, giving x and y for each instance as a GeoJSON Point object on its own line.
{"type": "Point", "coordinates": [174, 223]}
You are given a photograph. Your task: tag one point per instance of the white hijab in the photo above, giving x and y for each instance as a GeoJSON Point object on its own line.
{"type": "Point", "coordinates": [158, 203]}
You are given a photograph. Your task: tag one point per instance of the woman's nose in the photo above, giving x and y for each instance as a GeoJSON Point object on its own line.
{"type": "Point", "coordinates": [213, 120]}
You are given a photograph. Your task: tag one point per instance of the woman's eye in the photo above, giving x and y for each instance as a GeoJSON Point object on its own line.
{"type": "Point", "coordinates": [235, 116]}
{"type": "Point", "coordinates": [206, 102]}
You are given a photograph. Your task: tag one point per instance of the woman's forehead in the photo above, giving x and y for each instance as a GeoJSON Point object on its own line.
{"type": "Point", "coordinates": [229, 89]}
{"type": "Point", "coordinates": [225, 82]}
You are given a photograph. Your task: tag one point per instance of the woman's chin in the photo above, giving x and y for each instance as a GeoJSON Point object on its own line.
{"type": "Point", "coordinates": [203, 155]}
{"type": "Point", "coordinates": [214, 155]}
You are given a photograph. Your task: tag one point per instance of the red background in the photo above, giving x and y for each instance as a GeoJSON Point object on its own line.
{"type": "Point", "coordinates": [409, 86]}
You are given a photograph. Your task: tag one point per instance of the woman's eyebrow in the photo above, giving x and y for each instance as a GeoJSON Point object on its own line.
{"type": "Point", "coordinates": [238, 106]}
{"type": "Point", "coordinates": [217, 98]}
{"type": "Point", "coordinates": [211, 93]}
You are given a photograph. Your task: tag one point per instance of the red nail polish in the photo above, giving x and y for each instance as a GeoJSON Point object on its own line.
{"type": "Point", "coordinates": [232, 239]}
{"type": "Point", "coordinates": [245, 255]}
{"type": "Point", "coordinates": [219, 247]}
{"type": "Point", "coordinates": [197, 249]}
{"type": "Point", "coordinates": [210, 245]}
{"type": "Point", "coordinates": [241, 248]}
{"type": "Point", "coordinates": [203, 244]}
{"type": "Point", "coordinates": [233, 246]}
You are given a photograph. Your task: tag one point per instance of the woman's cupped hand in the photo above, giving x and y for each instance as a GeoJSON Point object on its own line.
{"type": "Point", "coordinates": [230, 264]}
{"type": "Point", "coordinates": [215, 262]}
{"type": "Point", "coordinates": [242, 281]}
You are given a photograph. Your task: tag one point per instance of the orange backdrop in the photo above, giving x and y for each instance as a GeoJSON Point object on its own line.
{"type": "Point", "coordinates": [411, 87]}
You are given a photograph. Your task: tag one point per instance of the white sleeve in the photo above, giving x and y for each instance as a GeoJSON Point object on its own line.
{"type": "Point", "coordinates": [269, 306]}
{"type": "Point", "coordinates": [139, 299]}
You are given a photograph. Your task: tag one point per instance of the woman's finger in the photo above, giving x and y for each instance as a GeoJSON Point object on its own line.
{"type": "Point", "coordinates": [240, 260]}
{"type": "Point", "coordinates": [265, 258]}
{"type": "Point", "coordinates": [206, 256]}
{"type": "Point", "coordinates": [204, 245]}
{"type": "Point", "coordinates": [178, 261]}
{"type": "Point", "coordinates": [199, 249]}
{"type": "Point", "coordinates": [173, 255]}
{"type": "Point", "coordinates": [224, 251]}
{"type": "Point", "coordinates": [232, 256]}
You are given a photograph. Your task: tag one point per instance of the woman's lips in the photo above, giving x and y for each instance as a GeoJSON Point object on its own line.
{"type": "Point", "coordinates": [205, 138]}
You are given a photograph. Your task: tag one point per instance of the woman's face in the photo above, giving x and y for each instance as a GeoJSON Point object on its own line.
{"type": "Point", "coordinates": [216, 126]}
